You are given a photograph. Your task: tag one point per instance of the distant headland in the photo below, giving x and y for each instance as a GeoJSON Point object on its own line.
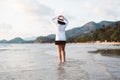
{"type": "Point", "coordinates": [91, 32]}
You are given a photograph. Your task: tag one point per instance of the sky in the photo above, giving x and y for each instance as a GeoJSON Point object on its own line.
{"type": "Point", "coordinates": [32, 18]}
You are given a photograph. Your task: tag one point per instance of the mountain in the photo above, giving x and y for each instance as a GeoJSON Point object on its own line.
{"type": "Point", "coordinates": [45, 39]}
{"type": "Point", "coordinates": [30, 38]}
{"type": "Point", "coordinates": [3, 41]}
{"type": "Point", "coordinates": [16, 40]}
{"type": "Point", "coordinates": [82, 30]}
{"type": "Point", "coordinates": [106, 23]}
{"type": "Point", "coordinates": [79, 31]}
{"type": "Point", "coordinates": [87, 28]}
{"type": "Point", "coordinates": [71, 34]}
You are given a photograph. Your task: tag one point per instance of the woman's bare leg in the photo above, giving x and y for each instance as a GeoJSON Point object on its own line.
{"type": "Point", "coordinates": [59, 53]}
{"type": "Point", "coordinates": [63, 53]}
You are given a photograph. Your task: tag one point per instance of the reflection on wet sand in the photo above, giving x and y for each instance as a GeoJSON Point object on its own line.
{"type": "Point", "coordinates": [108, 52]}
{"type": "Point", "coordinates": [39, 62]}
{"type": "Point", "coordinates": [71, 70]}
{"type": "Point", "coordinates": [60, 71]}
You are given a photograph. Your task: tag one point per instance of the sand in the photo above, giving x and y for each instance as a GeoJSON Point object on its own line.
{"type": "Point", "coordinates": [39, 62]}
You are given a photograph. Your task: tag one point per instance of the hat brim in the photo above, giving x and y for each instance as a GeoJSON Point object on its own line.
{"type": "Point", "coordinates": [61, 20]}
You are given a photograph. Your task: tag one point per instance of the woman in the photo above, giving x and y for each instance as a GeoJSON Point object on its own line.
{"type": "Point", "coordinates": [60, 40]}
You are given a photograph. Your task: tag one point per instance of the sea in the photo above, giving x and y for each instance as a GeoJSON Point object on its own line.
{"type": "Point", "coordinates": [84, 61]}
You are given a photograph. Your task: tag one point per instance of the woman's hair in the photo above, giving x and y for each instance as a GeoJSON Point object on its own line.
{"type": "Point", "coordinates": [61, 22]}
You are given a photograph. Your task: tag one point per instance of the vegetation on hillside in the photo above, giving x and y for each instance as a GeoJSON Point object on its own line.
{"type": "Point", "coordinates": [90, 32]}
{"type": "Point", "coordinates": [106, 33]}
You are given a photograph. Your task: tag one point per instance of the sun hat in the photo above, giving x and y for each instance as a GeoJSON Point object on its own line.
{"type": "Point", "coordinates": [61, 18]}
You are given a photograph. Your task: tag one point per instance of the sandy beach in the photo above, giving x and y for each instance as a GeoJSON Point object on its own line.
{"type": "Point", "coordinates": [112, 43]}
{"type": "Point", "coordinates": [39, 62]}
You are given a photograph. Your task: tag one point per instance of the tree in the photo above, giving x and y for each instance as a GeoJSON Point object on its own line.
{"type": "Point", "coordinates": [116, 33]}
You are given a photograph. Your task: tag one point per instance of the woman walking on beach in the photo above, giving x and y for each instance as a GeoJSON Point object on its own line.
{"type": "Point", "coordinates": [60, 39]}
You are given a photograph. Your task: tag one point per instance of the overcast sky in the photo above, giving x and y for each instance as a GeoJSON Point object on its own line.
{"type": "Point", "coordinates": [29, 18]}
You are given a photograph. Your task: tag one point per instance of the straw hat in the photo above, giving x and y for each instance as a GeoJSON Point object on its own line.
{"type": "Point", "coordinates": [61, 18]}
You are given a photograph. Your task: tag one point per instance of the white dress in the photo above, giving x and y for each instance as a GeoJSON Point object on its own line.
{"type": "Point", "coordinates": [60, 30]}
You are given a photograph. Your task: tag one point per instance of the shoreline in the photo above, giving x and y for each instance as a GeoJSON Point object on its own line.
{"type": "Point", "coordinates": [107, 43]}
{"type": "Point", "coordinates": [97, 42]}
{"type": "Point", "coordinates": [116, 43]}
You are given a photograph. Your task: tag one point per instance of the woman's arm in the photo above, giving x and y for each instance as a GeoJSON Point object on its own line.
{"type": "Point", "coordinates": [66, 21]}
{"type": "Point", "coordinates": [54, 19]}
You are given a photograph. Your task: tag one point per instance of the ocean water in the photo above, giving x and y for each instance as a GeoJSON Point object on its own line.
{"type": "Point", "coordinates": [40, 62]}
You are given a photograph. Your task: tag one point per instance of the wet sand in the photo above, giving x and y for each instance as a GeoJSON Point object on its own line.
{"type": "Point", "coordinates": [45, 70]}
{"type": "Point", "coordinates": [39, 62]}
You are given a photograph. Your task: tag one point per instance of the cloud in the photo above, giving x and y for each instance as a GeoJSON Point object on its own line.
{"type": "Point", "coordinates": [42, 10]}
{"type": "Point", "coordinates": [5, 28]}
{"type": "Point", "coordinates": [98, 10]}
{"type": "Point", "coordinates": [38, 14]}
{"type": "Point", "coordinates": [37, 9]}
{"type": "Point", "coordinates": [28, 18]}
